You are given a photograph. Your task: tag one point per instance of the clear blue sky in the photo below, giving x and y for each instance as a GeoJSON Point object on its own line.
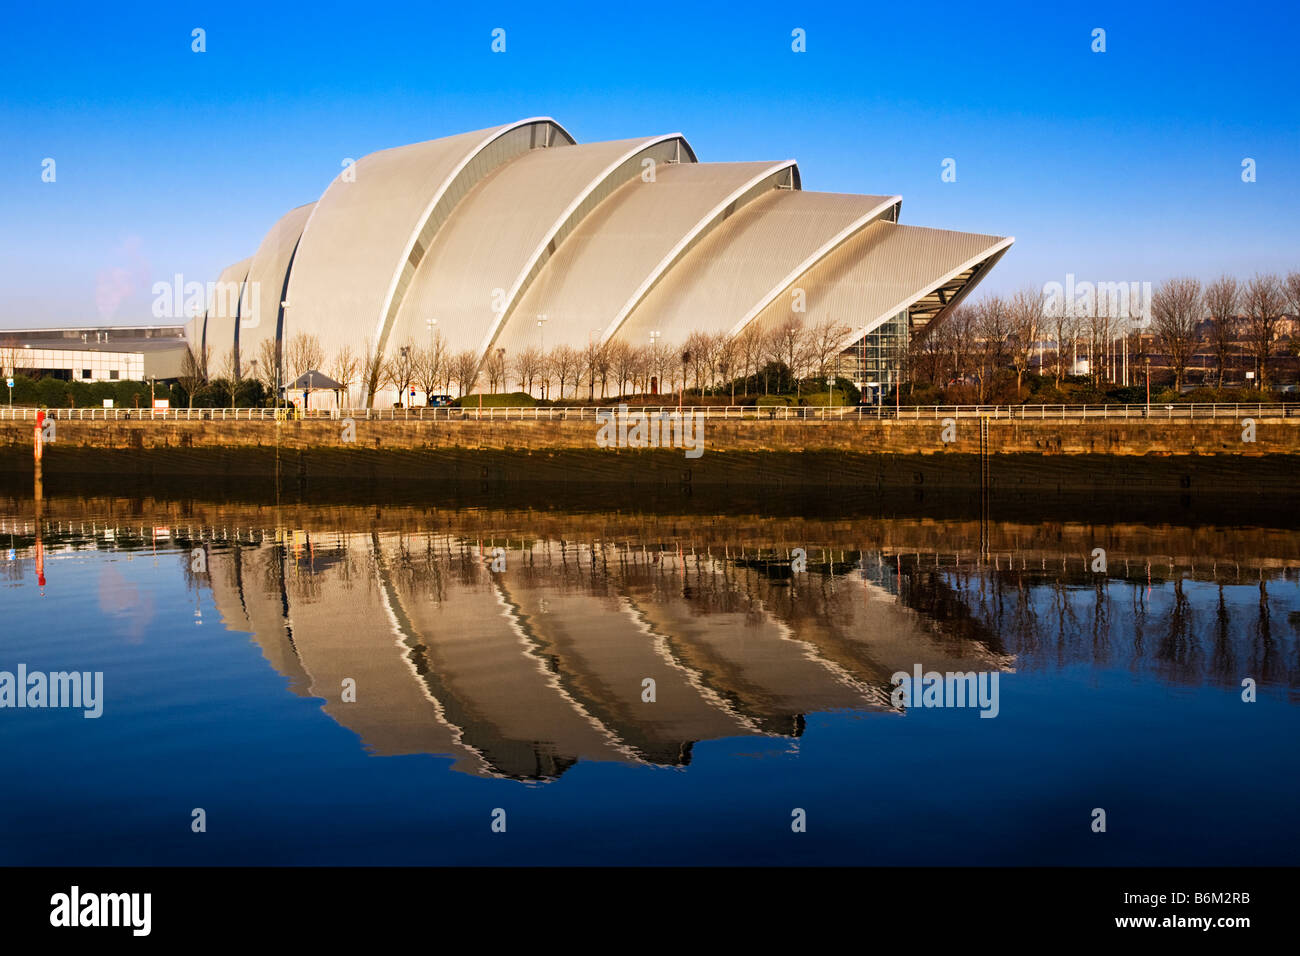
{"type": "Point", "coordinates": [1119, 166]}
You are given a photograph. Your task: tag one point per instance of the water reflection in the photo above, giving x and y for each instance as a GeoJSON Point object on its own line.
{"type": "Point", "coordinates": [520, 655]}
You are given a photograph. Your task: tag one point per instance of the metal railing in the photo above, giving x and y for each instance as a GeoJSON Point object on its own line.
{"type": "Point", "coordinates": [806, 413]}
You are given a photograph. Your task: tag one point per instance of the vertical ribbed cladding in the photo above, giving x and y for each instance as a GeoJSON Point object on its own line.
{"type": "Point", "coordinates": [621, 249]}
{"type": "Point", "coordinates": [886, 269]}
{"type": "Point", "coordinates": [502, 234]}
{"type": "Point", "coordinates": [268, 274]}
{"type": "Point", "coordinates": [370, 229]}
{"type": "Point", "coordinates": [668, 149]}
{"type": "Point", "coordinates": [217, 335]}
{"type": "Point", "coordinates": [745, 260]}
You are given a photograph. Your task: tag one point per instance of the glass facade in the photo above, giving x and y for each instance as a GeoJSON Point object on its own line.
{"type": "Point", "coordinates": [875, 362]}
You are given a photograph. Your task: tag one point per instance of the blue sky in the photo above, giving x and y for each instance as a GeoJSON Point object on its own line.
{"type": "Point", "coordinates": [1118, 166]}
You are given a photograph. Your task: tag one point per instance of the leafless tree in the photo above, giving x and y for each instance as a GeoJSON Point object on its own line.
{"type": "Point", "coordinates": [591, 361]}
{"type": "Point", "coordinates": [792, 346]}
{"type": "Point", "coordinates": [194, 370]}
{"type": "Point", "coordinates": [428, 366]}
{"type": "Point", "coordinates": [1263, 302]}
{"type": "Point", "coordinates": [962, 337]}
{"type": "Point", "coordinates": [1026, 316]}
{"type": "Point", "coordinates": [1175, 320]}
{"type": "Point", "coordinates": [825, 343]}
{"type": "Point", "coordinates": [527, 365]}
{"type": "Point", "coordinates": [749, 345]}
{"type": "Point", "coordinates": [565, 364]}
{"type": "Point", "coordinates": [1291, 289]}
{"type": "Point", "coordinates": [372, 368]}
{"type": "Point", "coordinates": [661, 358]}
{"type": "Point", "coordinates": [641, 369]}
{"type": "Point", "coordinates": [302, 353]}
{"type": "Point", "coordinates": [465, 370]}
{"type": "Point", "coordinates": [400, 370]}
{"type": "Point", "coordinates": [993, 338]}
{"type": "Point", "coordinates": [232, 370]}
{"type": "Point", "coordinates": [726, 354]}
{"type": "Point", "coordinates": [344, 370]}
{"type": "Point", "coordinates": [700, 346]}
{"type": "Point", "coordinates": [1223, 303]}
{"type": "Point", "coordinates": [931, 353]}
{"type": "Point", "coordinates": [496, 368]}
{"type": "Point", "coordinates": [621, 364]}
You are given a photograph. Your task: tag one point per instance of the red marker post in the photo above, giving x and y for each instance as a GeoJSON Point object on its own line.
{"type": "Point", "coordinates": [40, 422]}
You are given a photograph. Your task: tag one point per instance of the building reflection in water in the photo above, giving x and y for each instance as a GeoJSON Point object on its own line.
{"type": "Point", "coordinates": [524, 672]}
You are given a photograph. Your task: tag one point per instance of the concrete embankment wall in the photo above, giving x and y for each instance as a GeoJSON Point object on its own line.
{"type": "Point", "coordinates": [1169, 455]}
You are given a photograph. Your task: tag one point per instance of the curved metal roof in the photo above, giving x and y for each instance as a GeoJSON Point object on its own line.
{"type": "Point", "coordinates": [734, 271]}
{"type": "Point", "coordinates": [628, 243]}
{"type": "Point", "coordinates": [885, 269]}
{"type": "Point", "coordinates": [218, 336]}
{"type": "Point", "coordinates": [373, 223]}
{"type": "Point", "coordinates": [482, 232]}
{"type": "Point", "coordinates": [268, 274]}
{"type": "Point", "coordinates": [505, 230]}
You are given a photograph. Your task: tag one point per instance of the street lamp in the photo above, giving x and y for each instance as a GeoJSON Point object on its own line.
{"type": "Point", "coordinates": [654, 341]}
{"type": "Point", "coordinates": [1146, 361]}
{"type": "Point", "coordinates": [686, 359]}
{"type": "Point", "coordinates": [406, 365]}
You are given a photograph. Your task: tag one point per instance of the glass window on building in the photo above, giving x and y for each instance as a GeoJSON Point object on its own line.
{"type": "Point", "coordinates": [114, 375]}
{"type": "Point", "coordinates": [86, 373]}
{"type": "Point", "coordinates": [875, 361]}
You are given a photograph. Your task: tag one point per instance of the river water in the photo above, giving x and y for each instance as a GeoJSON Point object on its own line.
{"type": "Point", "coordinates": [369, 682]}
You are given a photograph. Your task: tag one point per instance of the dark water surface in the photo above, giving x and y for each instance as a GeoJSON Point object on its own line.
{"type": "Point", "coordinates": [500, 653]}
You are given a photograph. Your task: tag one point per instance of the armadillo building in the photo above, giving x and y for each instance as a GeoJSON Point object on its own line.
{"type": "Point", "coordinates": [518, 236]}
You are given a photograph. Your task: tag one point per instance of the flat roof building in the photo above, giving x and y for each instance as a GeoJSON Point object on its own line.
{"type": "Point", "coordinates": [95, 353]}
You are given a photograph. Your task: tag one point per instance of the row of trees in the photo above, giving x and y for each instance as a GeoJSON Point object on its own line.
{"type": "Point", "coordinates": [1227, 319]}
{"type": "Point", "coordinates": [705, 362]}
{"type": "Point", "coordinates": [759, 357]}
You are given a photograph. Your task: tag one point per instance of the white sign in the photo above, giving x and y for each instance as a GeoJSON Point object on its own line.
{"type": "Point", "coordinates": [9, 382]}
{"type": "Point", "coordinates": [162, 403]}
{"type": "Point", "coordinates": [1249, 376]}
{"type": "Point", "coordinates": [108, 403]}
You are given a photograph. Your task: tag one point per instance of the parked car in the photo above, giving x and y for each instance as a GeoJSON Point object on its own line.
{"type": "Point", "coordinates": [439, 401]}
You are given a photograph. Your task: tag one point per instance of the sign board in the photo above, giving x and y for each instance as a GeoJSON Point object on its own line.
{"type": "Point", "coordinates": [1250, 375]}
{"type": "Point", "coordinates": [162, 403]}
{"type": "Point", "coordinates": [108, 403]}
{"type": "Point", "coordinates": [9, 382]}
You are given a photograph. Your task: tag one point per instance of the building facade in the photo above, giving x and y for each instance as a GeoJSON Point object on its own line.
{"type": "Point", "coordinates": [518, 237]}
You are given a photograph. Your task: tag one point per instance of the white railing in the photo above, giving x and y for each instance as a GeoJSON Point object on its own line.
{"type": "Point", "coordinates": [806, 413]}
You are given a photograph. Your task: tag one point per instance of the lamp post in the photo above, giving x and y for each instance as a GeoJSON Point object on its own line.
{"type": "Point", "coordinates": [654, 341]}
{"type": "Point", "coordinates": [541, 332]}
{"type": "Point", "coordinates": [406, 367]}
{"type": "Point", "coordinates": [686, 359]}
{"type": "Point", "coordinates": [279, 361]}
{"type": "Point", "coordinates": [1146, 361]}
